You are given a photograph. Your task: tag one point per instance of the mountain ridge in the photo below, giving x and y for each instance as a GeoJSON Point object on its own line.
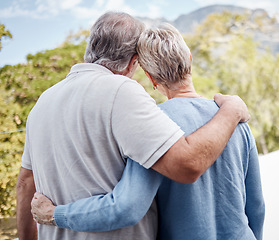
{"type": "Point", "coordinates": [186, 23]}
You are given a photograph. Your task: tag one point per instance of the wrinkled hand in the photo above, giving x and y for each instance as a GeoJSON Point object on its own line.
{"type": "Point", "coordinates": [42, 209]}
{"type": "Point", "coordinates": [233, 103]}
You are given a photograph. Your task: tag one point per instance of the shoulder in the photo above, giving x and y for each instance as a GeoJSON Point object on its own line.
{"type": "Point", "coordinates": [131, 89]}
{"type": "Point", "coordinates": [243, 130]}
{"type": "Point", "coordinates": [195, 102]}
{"type": "Point", "coordinates": [126, 82]}
{"type": "Point", "coordinates": [131, 97]}
{"type": "Point", "coordinates": [190, 107]}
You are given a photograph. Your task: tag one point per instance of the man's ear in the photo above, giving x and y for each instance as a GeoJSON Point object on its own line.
{"type": "Point", "coordinates": [133, 62]}
{"type": "Point", "coordinates": [130, 69]}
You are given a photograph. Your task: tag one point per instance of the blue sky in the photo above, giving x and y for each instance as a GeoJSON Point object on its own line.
{"type": "Point", "coordinates": [37, 25]}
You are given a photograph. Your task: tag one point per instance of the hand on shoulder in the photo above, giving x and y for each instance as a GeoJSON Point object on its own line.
{"type": "Point", "coordinates": [234, 104]}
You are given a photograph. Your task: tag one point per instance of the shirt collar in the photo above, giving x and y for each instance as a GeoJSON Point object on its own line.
{"type": "Point", "coordinates": [83, 67]}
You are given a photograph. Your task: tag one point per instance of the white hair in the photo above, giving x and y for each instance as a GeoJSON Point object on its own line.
{"type": "Point", "coordinates": [113, 39]}
{"type": "Point", "coordinates": [164, 54]}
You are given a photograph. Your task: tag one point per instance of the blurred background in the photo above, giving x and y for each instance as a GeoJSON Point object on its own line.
{"type": "Point", "coordinates": [235, 46]}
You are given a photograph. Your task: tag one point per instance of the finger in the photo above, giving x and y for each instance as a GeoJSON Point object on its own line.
{"type": "Point", "coordinates": [36, 195]}
{"type": "Point", "coordinates": [35, 219]}
{"type": "Point", "coordinates": [217, 95]}
{"type": "Point", "coordinates": [34, 202]}
{"type": "Point", "coordinates": [34, 211]}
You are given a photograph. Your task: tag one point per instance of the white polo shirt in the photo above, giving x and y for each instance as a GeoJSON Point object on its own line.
{"type": "Point", "coordinates": [78, 135]}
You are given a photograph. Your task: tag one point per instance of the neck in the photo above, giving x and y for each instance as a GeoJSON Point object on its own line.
{"type": "Point", "coordinates": [183, 91]}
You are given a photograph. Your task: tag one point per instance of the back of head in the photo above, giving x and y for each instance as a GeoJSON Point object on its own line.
{"type": "Point", "coordinates": [164, 54]}
{"type": "Point", "coordinates": [113, 40]}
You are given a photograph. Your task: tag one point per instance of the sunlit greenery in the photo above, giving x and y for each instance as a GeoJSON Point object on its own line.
{"type": "Point", "coordinates": [225, 59]}
{"type": "Point", "coordinates": [21, 85]}
{"type": "Point", "coordinates": [4, 33]}
{"type": "Point", "coordinates": [229, 61]}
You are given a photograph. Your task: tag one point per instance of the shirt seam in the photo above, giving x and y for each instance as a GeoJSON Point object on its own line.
{"type": "Point", "coordinates": [110, 120]}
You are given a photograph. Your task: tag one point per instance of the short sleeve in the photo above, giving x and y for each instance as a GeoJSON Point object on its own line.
{"type": "Point", "coordinates": [26, 159]}
{"type": "Point", "coordinates": [141, 129]}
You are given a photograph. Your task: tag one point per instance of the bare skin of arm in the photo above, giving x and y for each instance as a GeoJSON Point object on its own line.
{"type": "Point", "coordinates": [27, 228]}
{"type": "Point", "coordinates": [191, 156]}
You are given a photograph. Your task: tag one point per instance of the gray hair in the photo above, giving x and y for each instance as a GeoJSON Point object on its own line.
{"type": "Point", "coordinates": [113, 40]}
{"type": "Point", "coordinates": [164, 54]}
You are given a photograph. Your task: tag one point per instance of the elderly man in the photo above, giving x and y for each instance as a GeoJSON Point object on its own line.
{"type": "Point", "coordinates": [81, 131]}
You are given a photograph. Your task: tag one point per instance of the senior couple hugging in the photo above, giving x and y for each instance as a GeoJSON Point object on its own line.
{"type": "Point", "coordinates": [103, 161]}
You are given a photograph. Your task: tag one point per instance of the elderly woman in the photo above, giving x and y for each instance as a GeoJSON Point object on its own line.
{"type": "Point", "coordinates": [226, 202]}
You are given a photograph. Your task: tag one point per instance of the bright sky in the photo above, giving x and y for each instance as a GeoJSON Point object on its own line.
{"type": "Point", "coordinates": [38, 25]}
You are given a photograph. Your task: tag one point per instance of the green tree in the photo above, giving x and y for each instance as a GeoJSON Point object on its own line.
{"type": "Point", "coordinates": [21, 86]}
{"type": "Point", "coordinates": [228, 60]}
{"type": "Point", "coordinates": [12, 142]}
{"type": "Point", "coordinates": [4, 33]}
{"type": "Point", "coordinates": [254, 76]}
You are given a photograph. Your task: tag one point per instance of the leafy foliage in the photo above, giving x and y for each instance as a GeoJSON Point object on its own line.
{"type": "Point", "coordinates": [4, 33]}
{"type": "Point", "coordinates": [228, 60]}
{"type": "Point", "coordinates": [21, 86]}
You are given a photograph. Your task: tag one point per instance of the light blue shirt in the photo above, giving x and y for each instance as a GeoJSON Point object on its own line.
{"type": "Point", "coordinates": [226, 202]}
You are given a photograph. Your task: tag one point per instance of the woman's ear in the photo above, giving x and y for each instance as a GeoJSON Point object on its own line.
{"type": "Point", "coordinates": [134, 59]}
{"type": "Point", "coordinates": [154, 83]}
